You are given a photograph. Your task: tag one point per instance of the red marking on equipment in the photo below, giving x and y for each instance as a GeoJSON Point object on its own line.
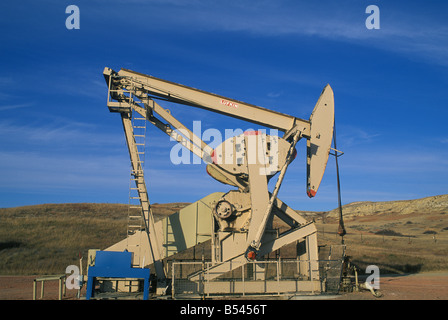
{"type": "Point", "coordinates": [251, 255]}
{"type": "Point", "coordinates": [311, 193]}
{"type": "Point", "coordinates": [252, 133]}
{"type": "Point", "coordinates": [213, 155]}
{"type": "Point", "coordinates": [229, 103]}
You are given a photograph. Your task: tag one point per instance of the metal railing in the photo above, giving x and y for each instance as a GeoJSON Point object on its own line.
{"type": "Point", "coordinates": [279, 277]}
{"type": "Point", "coordinates": [42, 280]}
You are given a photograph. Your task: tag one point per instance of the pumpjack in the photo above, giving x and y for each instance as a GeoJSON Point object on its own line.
{"type": "Point", "coordinates": [238, 222]}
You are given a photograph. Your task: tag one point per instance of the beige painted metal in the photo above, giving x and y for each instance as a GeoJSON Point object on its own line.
{"type": "Point", "coordinates": [186, 95]}
{"type": "Point", "coordinates": [181, 230]}
{"type": "Point", "coordinates": [61, 285]}
{"type": "Point", "coordinates": [319, 144]}
{"type": "Point", "coordinates": [245, 215]}
{"type": "Point", "coordinates": [320, 123]}
{"type": "Point", "coordinates": [266, 287]}
{"type": "Point", "coordinates": [269, 245]}
{"type": "Point", "coordinates": [137, 172]}
{"type": "Point", "coordinates": [233, 211]}
{"type": "Point", "coordinates": [274, 277]}
{"type": "Point", "coordinates": [256, 241]}
{"type": "Point", "coordinates": [189, 226]}
{"type": "Point", "coordinates": [252, 147]}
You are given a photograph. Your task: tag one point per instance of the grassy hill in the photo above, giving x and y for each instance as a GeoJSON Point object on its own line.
{"type": "Point", "coordinates": [424, 206]}
{"type": "Point", "coordinates": [398, 236]}
{"type": "Point", "coordinates": [45, 239]}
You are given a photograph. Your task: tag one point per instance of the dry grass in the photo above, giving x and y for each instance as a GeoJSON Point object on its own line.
{"type": "Point", "coordinates": [400, 247]}
{"type": "Point", "coordinates": [45, 239]}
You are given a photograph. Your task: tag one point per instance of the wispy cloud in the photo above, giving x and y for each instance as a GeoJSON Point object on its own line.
{"type": "Point", "coordinates": [15, 106]}
{"type": "Point", "coordinates": [275, 94]}
{"type": "Point", "coordinates": [349, 136]}
{"type": "Point", "coordinates": [54, 135]}
{"type": "Point", "coordinates": [404, 29]}
{"type": "Point", "coordinates": [39, 172]}
{"type": "Point", "coordinates": [6, 81]}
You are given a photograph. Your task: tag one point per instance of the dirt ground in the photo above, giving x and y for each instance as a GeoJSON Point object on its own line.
{"type": "Point", "coordinates": [422, 286]}
{"type": "Point", "coordinates": [21, 288]}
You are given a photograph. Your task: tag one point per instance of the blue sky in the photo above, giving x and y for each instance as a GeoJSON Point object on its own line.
{"type": "Point", "coordinates": [59, 143]}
